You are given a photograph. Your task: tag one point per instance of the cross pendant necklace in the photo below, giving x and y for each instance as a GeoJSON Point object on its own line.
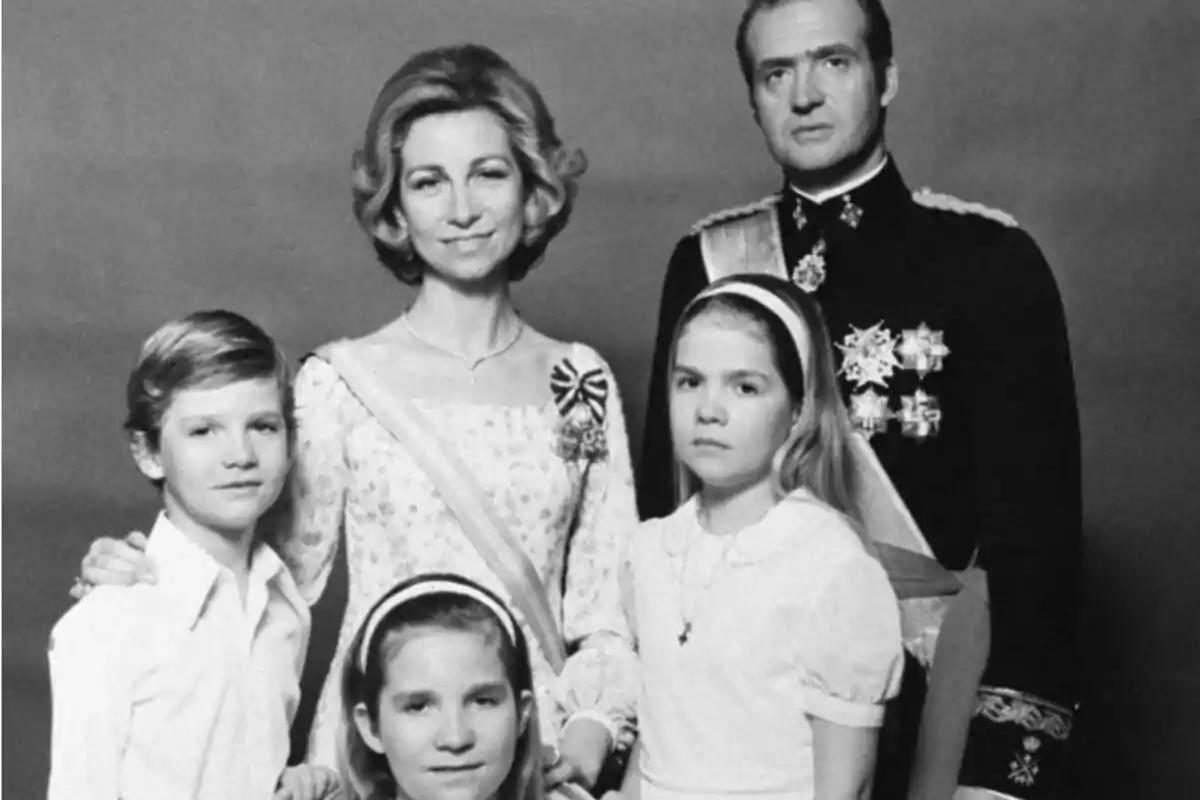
{"type": "Point", "coordinates": [685, 632]}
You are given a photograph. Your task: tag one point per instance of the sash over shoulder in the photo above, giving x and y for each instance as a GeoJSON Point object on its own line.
{"type": "Point", "coordinates": [742, 240]}
{"type": "Point", "coordinates": [462, 494]}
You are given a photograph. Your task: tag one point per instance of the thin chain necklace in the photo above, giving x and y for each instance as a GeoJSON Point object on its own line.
{"type": "Point", "coordinates": [471, 361]}
{"type": "Point", "coordinates": [686, 617]}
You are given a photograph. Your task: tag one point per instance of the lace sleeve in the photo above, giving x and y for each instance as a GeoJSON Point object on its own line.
{"type": "Point", "coordinates": [311, 526]}
{"type": "Point", "coordinates": [599, 680]}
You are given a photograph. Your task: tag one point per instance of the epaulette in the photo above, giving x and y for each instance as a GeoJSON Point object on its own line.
{"type": "Point", "coordinates": [945, 202]}
{"type": "Point", "coordinates": [733, 213]}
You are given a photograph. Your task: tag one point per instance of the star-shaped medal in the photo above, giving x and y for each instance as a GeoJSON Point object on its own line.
{"type": "Point", "coordinates": [809, 272]}
{"type": "Point", "coordinates": [868, 355]}
{"type": "Point", "coordinates": [920, 417]}
{"type": "Point", "coordinates": [869, 412]}
{"type": "Point", "coordinates": [923, 350]}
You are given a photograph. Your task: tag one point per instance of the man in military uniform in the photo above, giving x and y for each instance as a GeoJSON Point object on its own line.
{"type": "Point", "coordinates": [953, 359]}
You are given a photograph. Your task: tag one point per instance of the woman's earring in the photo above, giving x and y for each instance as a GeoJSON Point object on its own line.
{"type": "Point", "coordinates": [535, 220]}
{"type": "Point", "coordinates": [405, 249]}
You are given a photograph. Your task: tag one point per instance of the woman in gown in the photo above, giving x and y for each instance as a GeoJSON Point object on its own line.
{"type": "Point", "coordinates": [461, 183]}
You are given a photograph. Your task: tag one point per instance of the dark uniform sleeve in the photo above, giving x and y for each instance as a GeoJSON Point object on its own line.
{"type": "Point", "coordinates": [685, 279]}
{"type": "Point", "coordinates": [1025, 426]}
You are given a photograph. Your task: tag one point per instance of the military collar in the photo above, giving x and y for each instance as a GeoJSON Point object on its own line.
{"type": "Point", "coordinates": [873, 199]}
{"type": "Point", "coordinates": [820, 197]}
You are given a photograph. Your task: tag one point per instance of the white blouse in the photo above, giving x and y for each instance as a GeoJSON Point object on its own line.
{"type": "Point", "coordinates": [742, 637]}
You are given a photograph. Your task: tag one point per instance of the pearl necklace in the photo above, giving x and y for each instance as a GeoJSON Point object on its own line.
{"type": "Point", "coordinates": [471, 361]}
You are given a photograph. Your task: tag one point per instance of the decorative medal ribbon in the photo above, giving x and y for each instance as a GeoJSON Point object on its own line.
{"type": "Point", "coordinates": [572, 388]}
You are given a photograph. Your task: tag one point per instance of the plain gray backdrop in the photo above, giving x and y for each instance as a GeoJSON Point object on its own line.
{"type": "Point", "coordinates": [163, 157]}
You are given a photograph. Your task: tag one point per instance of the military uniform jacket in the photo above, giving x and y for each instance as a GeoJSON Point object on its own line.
{"type": "Point", "coordinates": [952, 350]}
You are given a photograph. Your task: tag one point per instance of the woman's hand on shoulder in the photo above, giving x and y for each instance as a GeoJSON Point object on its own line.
{"type": "Point", "coordinates": [115, 562]}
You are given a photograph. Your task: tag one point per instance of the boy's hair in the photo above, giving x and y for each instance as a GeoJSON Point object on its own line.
{"type": "Point", "coordinates": [365, 773]}
{"type": "Point", "coordinates": [203, 348]}
{"type": "Point", "coordinates": [816, 456]}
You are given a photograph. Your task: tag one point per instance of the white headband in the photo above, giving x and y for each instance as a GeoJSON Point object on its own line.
{"type": "Point", "coordinates": [786, 314]}
{"type": "Point", "coordinates": [427, 588]}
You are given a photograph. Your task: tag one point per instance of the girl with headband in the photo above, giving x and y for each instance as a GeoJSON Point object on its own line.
{"type": "Point", "coordinates": [437, 698]}
{"type": "Point", "coordinates": [769, 635]}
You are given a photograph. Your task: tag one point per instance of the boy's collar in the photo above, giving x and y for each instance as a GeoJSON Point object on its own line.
{"type": "Point", "coordinates": [188, 573]}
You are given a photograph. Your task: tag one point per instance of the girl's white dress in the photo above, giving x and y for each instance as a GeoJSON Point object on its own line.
{"type": "Point", "coordinates": [569, 508]}
{"type": "Point", "coordinates": [742, 636]}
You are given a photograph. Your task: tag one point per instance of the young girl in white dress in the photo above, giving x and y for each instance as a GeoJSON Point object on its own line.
{"type": "Point", "coordinates": [768, 634]}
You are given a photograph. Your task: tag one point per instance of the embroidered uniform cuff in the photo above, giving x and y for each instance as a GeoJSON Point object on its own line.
{"type": "Point", "coordinates": [1017, 745]}
{"type": "Point", "coordinates": [842, 712]}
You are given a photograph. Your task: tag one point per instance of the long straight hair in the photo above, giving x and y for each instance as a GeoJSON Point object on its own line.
{"type": "Point", "coordinates": [816, 455]}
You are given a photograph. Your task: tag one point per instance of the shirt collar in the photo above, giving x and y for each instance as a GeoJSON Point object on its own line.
{"type": "Point", "coordinates": [188, 574]}
{"type": "Point", "coordinates": [843, 188]}
{"type": "Point", "coordinates": [768, 538]}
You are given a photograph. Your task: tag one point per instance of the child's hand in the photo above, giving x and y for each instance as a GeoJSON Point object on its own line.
{"type": "Point", "coordinates": [308, 782]}
{"type": "Point", "coordinates": [115, 562]}
{"type": "Point", "coordinates": [584, 746]}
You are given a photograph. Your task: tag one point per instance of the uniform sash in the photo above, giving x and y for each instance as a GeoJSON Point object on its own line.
{"type": "Point", "coordinates": [747, 244]}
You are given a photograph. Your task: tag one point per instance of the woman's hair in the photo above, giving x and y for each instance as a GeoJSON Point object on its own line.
{"type": "Point", "coordinates": [461, 78]}
{"type": "Point", "coordinates": [816, 455]}
{"type": "Point", "coordinates": [204, 348]}
{"type": "Point", "coordinates": [443, 601]}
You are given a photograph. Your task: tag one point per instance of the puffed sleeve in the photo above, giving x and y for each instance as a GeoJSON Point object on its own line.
{"type": "Point", "coordinates": [91, 702]}
{"type": "Point", "coordinates": [599, 680]}
{"type": "Point", "coordinates": [850, 652]}
{"type": "Point", "coordinates": [308, 530]}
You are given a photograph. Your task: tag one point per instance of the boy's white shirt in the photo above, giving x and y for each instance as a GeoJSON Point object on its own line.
{"type": "Point", "coordinates": [175, 690]}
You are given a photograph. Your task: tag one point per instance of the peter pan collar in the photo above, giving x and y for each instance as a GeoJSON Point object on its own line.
{"type": "Point", "coordinates": [776, 533]}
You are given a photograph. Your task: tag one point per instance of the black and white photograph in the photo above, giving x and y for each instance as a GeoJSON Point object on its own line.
{"type": "Point", "coordinates": [614, 399]}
